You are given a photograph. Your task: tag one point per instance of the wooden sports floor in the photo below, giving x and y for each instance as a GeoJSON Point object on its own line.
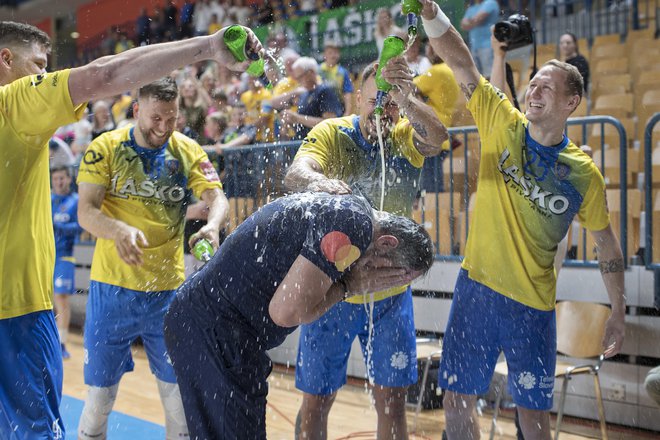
{"type": "Point", "coordinates": [352, 416]}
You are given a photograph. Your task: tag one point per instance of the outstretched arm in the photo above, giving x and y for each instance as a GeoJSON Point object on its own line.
{"type": "Point", "coordinates": [449, 46]}
{"type": "Point", "coordinates": [610, 260]}
{"type": "Point", "coordinates": [111, 75]}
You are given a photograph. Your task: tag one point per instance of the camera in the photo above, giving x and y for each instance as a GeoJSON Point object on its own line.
{"type": "Point", "coordinates": [515, 32]}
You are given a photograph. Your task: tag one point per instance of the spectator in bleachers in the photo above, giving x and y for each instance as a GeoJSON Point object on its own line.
{"type": "Point", "coordinates": [109, 41]}
{"type": "Point", "coordinates": [439, 87]}
{"type": "Point", "coordinates": [82, 136]}
{"type": "Point", "coordinates": [170, 14]}
{"type": "Point", "coordinates": [64, 206]}
{"type": "Point", "coordinates": [317, 102]}
{"type": "Point", "coordinates": [282, 42]}
{"type": "Point", "coordinates": [240, 178]}
{"type": "Point", "coordinates": [239, 12]}
{"type": "Point", "coordinates": [216, 125]}
{"type": "Point", "coordinates": [337, 76]}
{"type": "Point", "coordinates": [142, 28]}
{"type": "Point", "coordinates": [208, 81]}
{"type": "Point", "coordinates": [478, 18]}
{"type": "Point", "coordinates": [285, 86]}
{"type": "Point", "coordinates": [258, 114]}
{"type": "Point", "coordinates": [186, 29]}
{"type": "Point", "coordinates": [59, 153]}
{"type": "Point", "coordinates": [214, 24]}
{"type": "Point", "coordinates": [123, 43]}
{"type": "Point", "coordinates": [417, 61]}
{"type": "Point", "coordinates": [119, 107]}
{"type": "Point", "coordinates": [570, 53]}
{"type": "Point", "coordinates": [101, 119]}
{"type": "Point", "coordinates": [201, 17]}
{"type": "Point", "coordinates": [385, 27]}
{"type": "Point", "coordinates": [192, 105]}
{"type": "Point", "coordinates": [219, 101]}
{"type": "Point", "coordinates": [262, 14]}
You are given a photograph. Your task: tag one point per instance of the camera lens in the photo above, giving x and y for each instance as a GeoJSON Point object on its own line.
{"type": "Point", "coordinates": [506, 31]}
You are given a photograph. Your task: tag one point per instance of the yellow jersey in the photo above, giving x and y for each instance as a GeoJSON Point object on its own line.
{"type": "Point", "coordinates": [343, 153]}
{"type": "Point", "coordinates": [149, 190]}
{"type": "Point", "coordinates": [253, 100]}
{"type": "Point", "coordinates": [527, 196]}
{"type": "Point", "coordinates": [440, 87]}
{"type": "Point", "coordinates": [31, 109]}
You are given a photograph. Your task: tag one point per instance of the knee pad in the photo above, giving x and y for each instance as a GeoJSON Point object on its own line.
{"type": "Point", "coordinates": [94, 418]}
{"type": "Point", "coordinates": [176, 427]}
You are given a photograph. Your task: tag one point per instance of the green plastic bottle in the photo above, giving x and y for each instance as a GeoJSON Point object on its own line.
{"type": "Point", "coordinates": [235, 38]}
{"type": "Point", "coordinates": [411, 9]}
{"type": "Point", "coordinates": [203, 250]}
{"type": "Point", "coordinates": [392, 47]}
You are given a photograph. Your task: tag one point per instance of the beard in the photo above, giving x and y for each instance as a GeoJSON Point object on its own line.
{"type": "Point", "coordinates": [152, 140]}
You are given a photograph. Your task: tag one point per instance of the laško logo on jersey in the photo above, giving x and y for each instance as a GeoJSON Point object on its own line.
{"type": "Point", "coordinates": [545, 200]}
{"type": "Point", "coordinates": [147, 189]}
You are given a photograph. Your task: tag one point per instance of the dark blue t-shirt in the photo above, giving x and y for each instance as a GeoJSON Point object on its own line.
{"type": "Point", "coordinates": [65, 223]}
{"type": "Point", "coordinates": [241, 279]}
{"type": "Point", "coordinates": [322, 99]}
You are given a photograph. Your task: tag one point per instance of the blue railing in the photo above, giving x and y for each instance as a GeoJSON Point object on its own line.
{"type": "Point", "coordinates": [648, 188]}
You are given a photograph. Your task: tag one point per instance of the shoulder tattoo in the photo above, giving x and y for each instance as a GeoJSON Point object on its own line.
{"type": "Point", "coordinates": [468, 89]}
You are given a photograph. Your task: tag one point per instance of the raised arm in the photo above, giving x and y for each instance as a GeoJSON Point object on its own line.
{"type": "Point", "coordinates": [610, 260]}
{"type": "Point", "coordinates": [429, 132]}
{"type": "Point", "coordinates": [112, 75]}
{"type": "Point", "coordinates": [449, 45]}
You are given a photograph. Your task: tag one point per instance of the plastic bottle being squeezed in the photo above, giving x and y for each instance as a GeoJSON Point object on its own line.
{"type": "Point", "coordinates": [203, 250]}
{"type": "Point", "coordinates": [235, 39]}
{"type": "Point", "coordinates": [411, 9]}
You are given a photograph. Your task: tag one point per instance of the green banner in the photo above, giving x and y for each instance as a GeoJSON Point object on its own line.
{"type": "Point", "coordinates": [352, 27]}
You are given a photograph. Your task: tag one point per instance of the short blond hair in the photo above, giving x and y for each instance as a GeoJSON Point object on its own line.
{"type": "Point", "coordinates": [574, 81]}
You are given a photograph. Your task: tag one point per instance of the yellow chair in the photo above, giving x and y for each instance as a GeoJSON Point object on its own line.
{"type": "Point", "coordinates": [580, 330]}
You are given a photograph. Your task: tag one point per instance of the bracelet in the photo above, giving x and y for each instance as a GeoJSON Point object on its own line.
{"type": "Point", "coordinates": [437, 26]}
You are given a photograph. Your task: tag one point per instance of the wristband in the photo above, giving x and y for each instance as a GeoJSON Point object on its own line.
{"type": "Point", "coordinates": [437, 26]}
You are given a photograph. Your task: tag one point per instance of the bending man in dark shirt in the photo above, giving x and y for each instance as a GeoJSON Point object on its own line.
{"type": "Point", "coordinates": [284, 266]}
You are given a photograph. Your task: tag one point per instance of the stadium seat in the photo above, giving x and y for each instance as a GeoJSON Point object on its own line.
{"type": "Point", "coordinates": [619, 105]}
{"type": "Point", "coordinates": [606, 66]}
{"type": "Point", "coordinates": [608, 51]}
{"type": "Point", "coordinates": [605, 39]}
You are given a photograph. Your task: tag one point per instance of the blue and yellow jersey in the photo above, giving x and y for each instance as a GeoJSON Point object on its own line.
{"type": "Point", "coordinates": [343, 153]}
{"type": "Point", "coordinates": [31, 109]}
{"type": "Point", "coordinates": [338, 77]}
{"type": "Point", "coordinates": [253, 105]}
{"type": "Point", "coordinates": [147, 189]}
{"type": "Point", "coordinates": [440, 87]}
{"type": "Point", "coordinates": [65, 223]}
{"type": "Point", "coordinates": [527, 196]}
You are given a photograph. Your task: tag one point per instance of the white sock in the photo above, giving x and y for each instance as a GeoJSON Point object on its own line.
{"type": "Point", "coordinates": [176, 427]}
{"type": "Point", "coordinates": [94, 418]}
{"type": "Point", "coordinates": [64, 335]}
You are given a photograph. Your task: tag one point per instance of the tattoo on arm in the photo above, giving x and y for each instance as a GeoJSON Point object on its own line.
{"type": "Point", "coordinates": [419, 128]}
{"type": "Point", "coordinates": [199, 52]}
{"type": "Point", "coordinates": [611, 266]}
{"type": "Point", "coordinates": [468, 89]}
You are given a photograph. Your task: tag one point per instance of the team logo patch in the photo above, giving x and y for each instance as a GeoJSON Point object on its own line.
{"type": "Point", "coordinates": [399, 360]}
{"type": "Point", "coordinates": [209, 171]}
{"type": "Point", "coordinates": [91, 157]}
{"type": "Point", "coordinates": [37, 80]}
{"type": "Point", "coordinates": [562, 171]}
{"type": "Point", "coordinates": [527, 380]}
{"type": "Point", "coordinates": [172, 166]}
{"type": "Point", "coordinates": [338, 249]}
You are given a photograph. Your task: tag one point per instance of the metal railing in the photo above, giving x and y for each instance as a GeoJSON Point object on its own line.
{"type": "Point", "coordinates": [648, 188]}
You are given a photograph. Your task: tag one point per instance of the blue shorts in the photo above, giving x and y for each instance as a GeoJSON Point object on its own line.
{"type": "Point", "coordinates": [222, 372]}
{"type": "Point", "coordinates": [30, 377]}
{"type": "Point", "coordinates": [65, 269]}
{"type": "Point", "coordinates": [115, 318]}
{"type": "Point", "coordinates": [325, 345]}
{"type": "Point", "coordinates": [483, 323]}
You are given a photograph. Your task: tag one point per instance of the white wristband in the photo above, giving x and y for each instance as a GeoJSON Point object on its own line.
{"type": "Point", "coordinates": [437, 26]}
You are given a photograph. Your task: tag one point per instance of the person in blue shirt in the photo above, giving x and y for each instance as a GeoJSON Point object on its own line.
{"type": "Point", "coordinates": [287, 264]}
{"type": "Point", "coordinates": [336, 75]}
{"type": "Point", "coordinates": [316, 100]}
{"type": "Point", "coordinates": [478, 18]}
{"type": "Point", "coordinates": [64, 204]}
